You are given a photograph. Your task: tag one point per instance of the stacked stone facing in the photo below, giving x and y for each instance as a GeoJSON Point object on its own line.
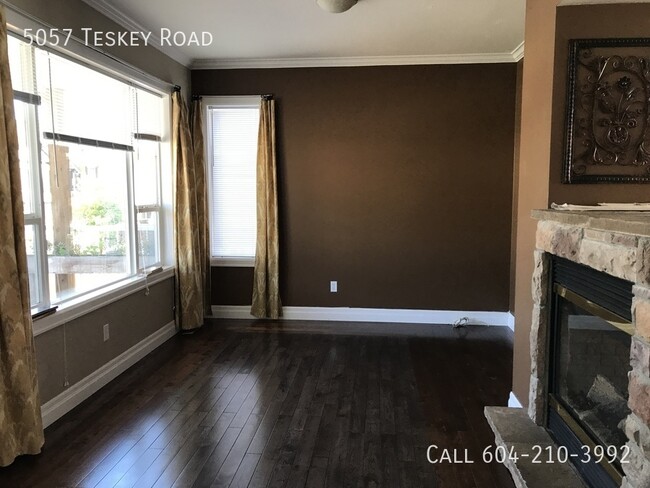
{"type": "Point", "coordinates": [617, 244]}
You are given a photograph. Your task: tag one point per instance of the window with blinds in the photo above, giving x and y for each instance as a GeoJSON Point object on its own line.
{"type": "Point", "coordinates": [232, 125]}
{"type": "Point", "coordinates": [90, 159]}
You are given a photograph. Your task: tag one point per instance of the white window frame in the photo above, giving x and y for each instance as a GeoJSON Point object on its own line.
{"type": "Point", "coordinates": [156, 208]}
{"type": "Point", "coordinates": [92, 58]}
{"type": "Point", "coordinates": [244, 101]}
{"type": "Point", "coordinates": [36, 217]}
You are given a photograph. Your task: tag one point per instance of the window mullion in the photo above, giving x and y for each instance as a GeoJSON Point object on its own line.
{"type": "Point", "coordinates": [132, 223]}
{"type": "Point", "coordinates": [41, 250]}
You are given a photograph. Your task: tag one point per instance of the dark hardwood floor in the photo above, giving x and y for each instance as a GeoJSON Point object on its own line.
{"type": "Point", "coordinates": [287, 404]}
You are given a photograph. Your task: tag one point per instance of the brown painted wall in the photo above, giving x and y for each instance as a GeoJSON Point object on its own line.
{"type": "Point", "coordinates": [585, 22]}
{"type": "Point", "coordinates": [515, 183]}
{"type": "Point", "coordinates": [395, 181]}
{"type": "Point", "coordinates": [534, 157]}
{"type": "Point", "coordinates": [131, 320]}
{"type": "Point", "coordinates": [231, 286]}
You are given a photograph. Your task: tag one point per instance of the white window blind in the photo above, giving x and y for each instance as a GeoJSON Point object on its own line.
{"type": "Point", "coordinates": [82, 102]}
{"type": "Point", "coordinates": [233, 157]}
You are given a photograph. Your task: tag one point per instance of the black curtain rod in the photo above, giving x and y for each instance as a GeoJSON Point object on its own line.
{"type": "Point", "coordinates": [268, 96]}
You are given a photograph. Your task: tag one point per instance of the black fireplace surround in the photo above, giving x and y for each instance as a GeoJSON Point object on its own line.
{"type": "Point", "coordinates": [589, 346]}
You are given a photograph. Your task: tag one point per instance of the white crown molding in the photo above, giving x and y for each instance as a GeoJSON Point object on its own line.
{"type": "Point", "coordinates": [518, 52]}
{"type": "Point", "coordinates": [127, 22]}
{"type": "Point", "coordinates": [252, 63]}
{"type": "Point", "coordinates": [116, 15]}
{"type": "Point", "coordinates": [378, 315]}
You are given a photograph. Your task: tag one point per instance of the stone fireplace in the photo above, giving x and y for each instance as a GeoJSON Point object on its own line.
{"type": "Point", "coordinates": [604, 376]}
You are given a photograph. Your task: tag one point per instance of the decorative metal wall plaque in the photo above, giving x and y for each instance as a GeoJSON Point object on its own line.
{"type": "Point", "coordinates": [608, 124]}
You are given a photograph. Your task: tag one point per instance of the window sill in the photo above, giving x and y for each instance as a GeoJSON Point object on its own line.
{"type": "Point", "coordinates": [76, 308]}
{"type": "Point", "coordinates": [233, 262]}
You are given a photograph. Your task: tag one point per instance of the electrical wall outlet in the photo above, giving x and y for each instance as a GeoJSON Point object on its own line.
{"type": "Point", "coordinates": [334, 285]}
{"type": "Point", "coordinates": [107, 332]}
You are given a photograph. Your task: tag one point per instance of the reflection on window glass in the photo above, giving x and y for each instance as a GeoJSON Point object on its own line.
{"type": "Point", "coordinates": [24, 113]}
{"type": "Point", "coordinates": [85, 217]}
{"type": "Point", "coordinates": [21, 65]}
{"type": "Point", "coordinates": [150, 114]}
{"type": "Point", "coordinates": [148, 239]}
{"type": "Point", "coordinates": [145, 171]}
{"type": "Point", "coordinates": [32, 263]}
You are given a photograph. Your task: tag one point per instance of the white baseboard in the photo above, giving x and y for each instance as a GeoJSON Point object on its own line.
{"type": "Point", "coordinates": [77, 393]}
{"type": "Point", "coordinates": [513, 401]}
{"type": "Point", "coordinates": [511, 321]}
{"type": "Point", "coordinates": [345, 314]}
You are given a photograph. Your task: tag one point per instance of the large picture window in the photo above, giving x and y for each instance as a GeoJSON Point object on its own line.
{"type": "Point", "coordinates": [232, 127]}
{"type": "Point", "coordinates": [90, 155]}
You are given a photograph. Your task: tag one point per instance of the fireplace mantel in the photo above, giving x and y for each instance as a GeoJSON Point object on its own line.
{"type": "Point", "coordinates": [618, 244]}
{"type": "Point", "coordinates": [635, 223]}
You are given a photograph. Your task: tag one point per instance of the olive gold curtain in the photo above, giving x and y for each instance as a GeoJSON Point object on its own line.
{"type": "Point", "coordinates": [21, 427]}
{"type": "Point", "coordinates": [266, 287]}
{"type": "Point", "coordinates": [198, 150]}
{"type": "Point", "coordinates": [190, 216]}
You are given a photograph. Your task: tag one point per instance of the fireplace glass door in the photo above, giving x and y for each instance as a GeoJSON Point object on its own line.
{"type": "Point", "coordinates": [590, 340]}
{"type": "Point", "coordinates": [591, 367]}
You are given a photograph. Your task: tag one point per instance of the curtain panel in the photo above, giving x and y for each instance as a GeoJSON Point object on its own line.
{"type": "Point", "coordinates": [21, 427]}
{"type": "Point", "coordinates": [266, 277]}
{"type": "Point", "coordinates": [190, 216]}
{"type": "Point", "coordinates": [198, 149]}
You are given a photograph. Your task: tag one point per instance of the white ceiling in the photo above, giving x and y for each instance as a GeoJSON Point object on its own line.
{"type": "Point", "coordinates": [249, 33]}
